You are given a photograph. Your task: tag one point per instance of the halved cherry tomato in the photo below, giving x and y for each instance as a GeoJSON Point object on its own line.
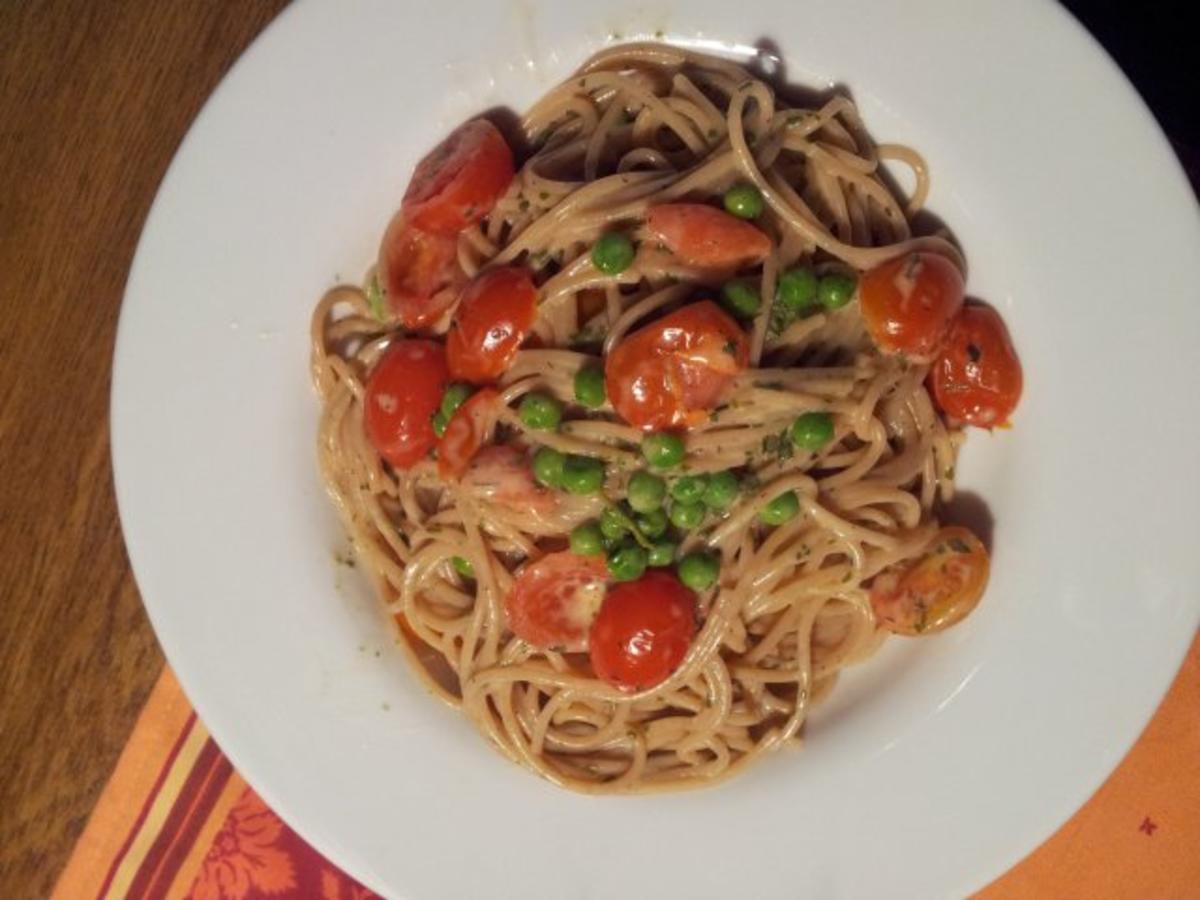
{"type": "Point", "coordinates": [465, 433]}
{"type": "Point", "coordinates": [501, 473]}
{"type": "Point", "coordinates": [909, 302]}
{"type": "Point", "coordinates": [419, 272]}
{"type": "Point", "coordinates": [495, 314]}
{"type": "Point", "coordinates": [936, 591]}
{"type": "Point", "coordinates": [977, 377]}
{"type": "Point", "coordinates": [643, 631]}
{"type": "Point", "coordinates": [403, 392]}
{"type": "Point", "coordinates": [552, 603]}
{"type": "Point", "coordinates": [670, 373]}
{"type": "Point", "coordinates": [460, 180]}
{"type": "Point", "coordinates": [705, 236]}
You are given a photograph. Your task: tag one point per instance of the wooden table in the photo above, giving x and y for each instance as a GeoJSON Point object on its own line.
{"type": "Point", "coordinates": [94, 99]}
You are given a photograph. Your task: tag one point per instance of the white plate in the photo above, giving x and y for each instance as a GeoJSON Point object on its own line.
{"type": "Point", "coordinates": [938, 764]}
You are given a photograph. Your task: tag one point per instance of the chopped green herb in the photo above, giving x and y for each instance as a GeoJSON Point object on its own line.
{"type": "Point", "coordinates": [779, 445]}
{"type": "Point", "coordinates": [375, 300]}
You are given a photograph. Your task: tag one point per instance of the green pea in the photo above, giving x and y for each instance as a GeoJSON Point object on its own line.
{"type": "Point", "coordinates": [587, 539]}
{"type": "Point", "coordinates": [646, 491]}
{"type": "Point", "coordinates": [835, 290]}
{"type": "Point", "coordinates": [698, 571]}
{"type": "Point", "coordinates": [548, 467]}
{"type": "Point", "coordinates": [582, 475]}
{"type": "Point", "coordinates": [690, 488]}
{"type": "Point", "coordinates": [613, 523]}
{"type": "Point", "coordinates": [744, 201]}
{"type": "Point", "coordinates": [662, 450]}
{"type": "Point", "coordinates": [613, 253]}
{"type": "Point", "coordinates": [813, 430]}
{"type": "Point", "coordinates": [722, 490]}
{"type": "Point", "coordinates": [797, 290]}
{"type": "Point", "coordinates": [589, 387]}
{"type": "Point", "coordinates": [782, 509]}
{"type": "Point", "coordinates": [463, 566]}
{"type": "Point", "coordinates": [653, 523]}
{"type": "Point", "coordinates": [440, 421]}
{"type": "Point", "coordinates": [661, 554]}
{"type": "Point", "coordinates": [741, 298]}
{"type": "Point", "coordinates": [540, 412]}
{"type": "Point", "coordinates": [455, 396]}
{"type": "Point", "coordinates": [686, 516]}
{"type": "Point", "coordinates": [627, 562]}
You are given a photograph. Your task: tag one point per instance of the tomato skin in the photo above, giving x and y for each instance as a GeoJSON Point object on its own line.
{"type": "Point", "coordinates": [909, 302]}
{"type": "Point", "coordinates": [465, 433]}
{"type": "Point", "coordinates": [419, 273]}
{"type": "Point", "coordinates": [501, 473]}
{"type": "Point", "coordinates": [460, 180]}
{"type": "Point", "coordinates": [643, 631]}
{"type": "Point", "coordinates": [403, 391]}
{"type": "Point", "coordinates": [937, 590]}
{"type": "Point", "coordinates": [670, 373]}
{"type": "Point", "coordinates": [553, 601]}
{"type": "Point", "coordinates": [705, 236]}
{"type": "Point", "coordinates": [495, 314]}
{"type": "Point", "coordinates": [977, 377]}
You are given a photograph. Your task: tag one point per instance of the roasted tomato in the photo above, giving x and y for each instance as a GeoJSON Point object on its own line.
{"type": "Point", "coordinates": [670, 373]}
{"type": "Point", "coordinates": [909, 302]}
{"type": "Point", "coordinates": [403, 392]}
{"type": "Point", "coordinates": [460, 180]}
{"type": "Point", "coordinates": [937, 590]}
{"type": "Point", "coordinates": [977, 377]}
{"type": "Point", "coordinates": [419, 273]}
{"type": "Point", "coordinates": [465, 433]}
{"type": "Point", "coordinates": [553, 601]}
{"type": "Point", "coordinates": [704, 236]}
{"type": "Point", "coordinates": [643, 631]}
{"type": "Point", "coordinates": [494, 316]}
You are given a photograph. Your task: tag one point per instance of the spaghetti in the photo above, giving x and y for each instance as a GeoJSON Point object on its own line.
{"type": "Point", "coordinates": [798, 593]}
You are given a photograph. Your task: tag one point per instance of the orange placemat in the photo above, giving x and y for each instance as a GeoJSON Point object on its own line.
{"type": "Point", "coordinates": [175, 820]}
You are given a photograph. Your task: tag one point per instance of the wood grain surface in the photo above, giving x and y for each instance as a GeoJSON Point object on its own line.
{"type": "Point", "coordinates": [94, 99]}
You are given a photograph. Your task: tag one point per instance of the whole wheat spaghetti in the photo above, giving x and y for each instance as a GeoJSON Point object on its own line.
{"type": "Point", "coordinates": [639, 127]}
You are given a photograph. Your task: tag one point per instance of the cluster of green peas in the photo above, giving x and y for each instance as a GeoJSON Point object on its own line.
{"type": "Point", "coordinates": [633, 536]}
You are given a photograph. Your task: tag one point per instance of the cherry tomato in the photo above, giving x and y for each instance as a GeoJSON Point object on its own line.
{"type": "Point", "coordinates": [403, 392]}
{"type": "Point", "coordinates": [502, 474]}
{"type": "Point", "coordinates": [909, 302]}
{"type": "Point", "coordinates": [977, 378]}
{"type": "Point", "coordinates": [419, 272]}
{"type": "Point", "coordinates": [643, 631]}
{"type": "Point", "coordinates": [460, 180]}
{"type": "Point", "coordinates": [705, 236]}
{"type": "Point", "coordinates": [495, 314]}
{"type": "Point", "coordinates": [670, 373]}
{"type": "Point", "coordinates": [937, 590]}
{"type": "Point", "coordinates": [465, 433]}
{"type": "Point", "coordinates": [553, 601]}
